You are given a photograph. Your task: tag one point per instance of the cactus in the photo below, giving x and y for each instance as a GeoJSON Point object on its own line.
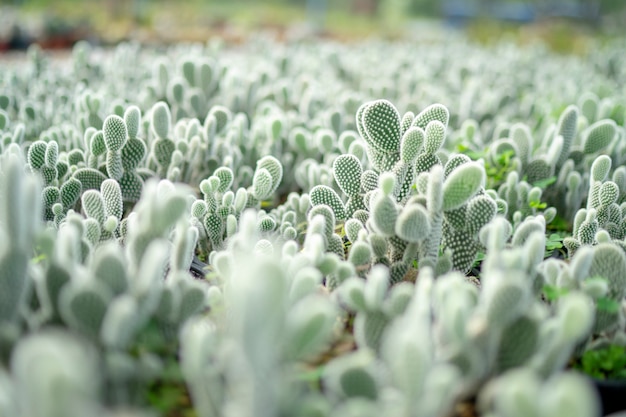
{"type": "Point", "coordinates": [598, 136]}
{"type": "Point", "coordinates": [19, 224]}
{"type": "Point", "coordinates": [65, 378]}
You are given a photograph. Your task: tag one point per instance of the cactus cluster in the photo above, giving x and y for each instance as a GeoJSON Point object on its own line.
{"type": "Point", "coordinates": [362, 251]}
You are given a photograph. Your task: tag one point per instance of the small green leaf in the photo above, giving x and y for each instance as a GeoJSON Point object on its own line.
{"type": "Point", "coordinates": [545, 183]}
{"type": "Point", "coordinates": [552, 292]}
{"type": "Point", "coordinates": [608, 305]}
{"type": "Point", "coordinates": [537, 205]}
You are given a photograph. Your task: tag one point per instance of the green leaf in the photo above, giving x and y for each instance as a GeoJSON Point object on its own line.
{"type": "Point", "coordinates": [544, 183]}
{"type": "Point", "coordinates": [552, 292]}
{"type": "Point", "coordinates": [605, 363]}
{"type": "Point", "coordinates": [608, 305]}
{"type": "Point", "coordinates": [537, 205]}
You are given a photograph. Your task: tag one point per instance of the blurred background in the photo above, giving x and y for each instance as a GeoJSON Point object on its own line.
{"type": "Point", "coordinates": [564, 25]}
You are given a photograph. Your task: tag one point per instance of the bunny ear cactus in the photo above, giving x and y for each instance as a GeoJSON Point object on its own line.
{"type": "Point", "coordinates": [60, 370]}
{"type": "Point", "coordinates": [43, 158]}
{"type": "Point", "coordinates": [598, 136]}
{"type": "Point", "coordinates": [437, 112]}
{"type": "Point", "coordinates": [566, 128]}
{"type": "Point", "coordinates": [521, 392]}
{"type": "Point", "coordinates": [115, 136]}
{"type": "Point", "coordinates": [267, 177]}
{"type": "Point", "coordinates": [105, 207]}
{"type": "Point", "coordinates": [347, 171]}
{"type": "Point", "coordinates": [465, 213]}
{"type": "Point", "coordinates": [609, 262]}
{"type": "Point", "coordinates": [392, 148]}
{"type": "Point", "coordinates": [132, 154]}
{"type": "Point", "coordinates": [19, 224]}
{"type": "Point", "coordinates": [162, 146]}
{"type": "Point", "coordinates": [322, 194]}
{"type": "Point", "coordinates": [375, 305]}
{"type": "Point", "coordinates": [383, 209]}
{"type": "Point", "coordinates": [462, 184]}
{"type": "Point", "coordinates": [160, 207]}
{"type": "Point", "coordinates": [437, 117]}
{"type": "Point", "coordinates": [83, 306]}
{"type": "Point", "coordinates": [353, 376]}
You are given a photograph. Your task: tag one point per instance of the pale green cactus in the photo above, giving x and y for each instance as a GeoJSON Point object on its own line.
{"type": "Point", "coordinates": [567, 125]}
{"type": "Point", "coordinates": [96, 144]}
{"type": "Point", "coordinates": [609, 262]}
{"type": "Point", "coordinates": [521, 392]}
{"type": "Point", "coordinates": [517, 344]}
{"type": "Point", "coordinates": [435, 135]}
{"type": "Point", "coordinates": [19, 223]}
{"type": "Point", "coordinates": [538, 169]}
{"type": "Point", "coordinates": [43, 158]}
{"type": "Point", "coordinates": [70, 193]}
{"type": "Point", "coordinates": [222, 117]}
{"type": "Point", "coordinates": [434, 198]}
{"type": "Point", "coordinates": [59, 369]}
{"type": "Point", "coordinates": [480, 210]}
{"type": "Point", "coordinates": [90, 179]}
{"type": "Point", "coordinates": [226, 177]}
{"type": "Point", "coordinates": [114, 133]}
{"type": "Point", "coordinates": [267, 177]}
{"type": "Point", "coordinates": [360, 256]}
{"type": "Point", "coordinates": [133, 153]}
{"type": "Point", "coordinates": [411, 144]}
{"type": "Point", "coordinates": [352, 228]}
{"type": "Point", "coordinates": [36, 155]}
{"type": "Point", "coordinates": [322, 194]}
{"type": "Point", "coordinates": [462, 184]}
{"type": "Point", "coordinates": [309, 326]}
{"type": "Point", "coordinates": [112, 197]}
{"type": "Point", "coordinates": [413, 224]}
{"type": "Point", "coordinates": [262, 184]}
{"type": "Point", "coordinates": [598, 136]}
{"type": "Point", "coordinates": [383, 210]}
{"type": "Point", "coordinates": [380, 123]}
{"type": "Point", "coordinates": [353, 376]}
{"type": "Point", "coordinates": [162, 147]}
{"type": "Point", "coordinates": [347, 171]}
{"type": "Point", "coordinates": [109, 268]}
{"type": "Point", "coordinates": [431, 113]}
{"type": "Point", "coordinates": [375, 304]}
{"type": "Point", "coordinates": [83, 306]}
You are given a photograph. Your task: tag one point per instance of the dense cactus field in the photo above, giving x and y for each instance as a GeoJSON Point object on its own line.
{"type": "Point", "coordinates": [417, 228]}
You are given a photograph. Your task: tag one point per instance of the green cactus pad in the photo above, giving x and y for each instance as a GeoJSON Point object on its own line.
{"type": "Point", "coordinates": [433, 112]}
{"type": "Point", "coordinates": [132, 118]}
{"type": "Point", "coordinates": [161, 119]}
{"type": "Point", "coordinates": [435, 135]}
{"type": "Point", "coordinates": [226, 177]}
{"type": "Point", "coordinates": [381, 121]}
{"type": "Point", "coordinates": [347, 171]}
{"type": "Point", "coordinates": [461, 185]}
{"type": "Point", "coordinates": [480, 210]}
{"type": "Point", "coordinates": [567, 125]}
{"type": "Point", "coordinates": [598, 136]}
{"type": "Point", "coordinates": [322, 194]}
{"type": "Point", "coordinates": [413, 224]}
{"type": "Point", "coordinates": [327, 213]}
{"type": "Point", "coordinates": [97, 144]}
{"type": "Point", "coordinates": [37, 154]}
{"type": "Point", "coordinates": [114, 132]}
{"type": "Point", "coordinates": [70, 192]}
{"type": "Point", "coordinates": [133, 153]}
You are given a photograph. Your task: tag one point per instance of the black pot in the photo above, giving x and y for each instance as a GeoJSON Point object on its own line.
{"type": "Point", "coordinates": [612, 394]}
